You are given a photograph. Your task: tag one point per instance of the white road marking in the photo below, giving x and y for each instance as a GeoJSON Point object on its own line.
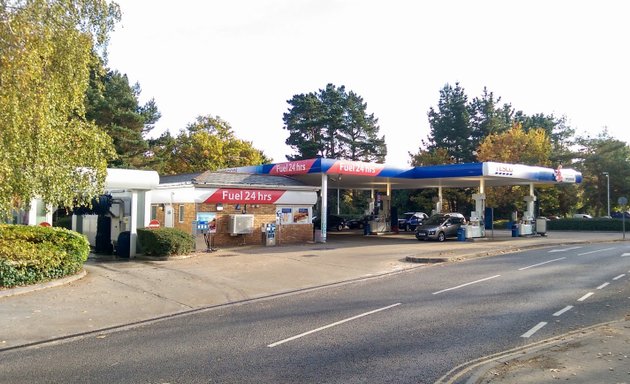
{"type": "Point", "coordinates": [595, 251]}
{"type": "Point", "coordinates": [625, 255]}
{"type": "Point", "coordinates": [586, 296]}
{"type": "Point", "coordinates": [603, 285]}
{"type": "Point", "coordinates": [534, 330]}
{"type": "Point", "coordinates": [331, 325]}
{"type": "Point", "coordinates": [543, 263]}
{"type": "Point", "coordinates": [563, 310]}
{"type": "Point", "coordinates": [564, 250]}
{"type": "Point", "coordinates": [619, 277]}
{"type": "Point", "coordinates": [467, 284]}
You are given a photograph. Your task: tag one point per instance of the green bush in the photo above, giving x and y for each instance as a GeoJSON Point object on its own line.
{"type": "Point", "coordinates": [31, 254]}
{"type": "Point", "coordinates": [165, 242]}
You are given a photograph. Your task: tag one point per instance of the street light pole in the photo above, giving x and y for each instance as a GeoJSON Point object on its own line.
{"type": "Point", "coordinates": [608, 190]}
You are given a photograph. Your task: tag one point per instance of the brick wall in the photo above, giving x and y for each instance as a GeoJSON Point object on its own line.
{"type": "Point", "coordinates": [294, 234]}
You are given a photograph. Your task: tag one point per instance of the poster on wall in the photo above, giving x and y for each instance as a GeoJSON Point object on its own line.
{"type": "Point", "coordinates": [210, 218]}
{"type": "Point", "coordinates": [285, 215]}
{"type": "Point", "coordinates": [293, 215]}
{"type": "Point", "coordinates": [301, 216]}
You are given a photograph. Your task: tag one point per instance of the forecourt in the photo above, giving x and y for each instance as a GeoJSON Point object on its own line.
{"type": "Point", "coordinates": [381, 179]}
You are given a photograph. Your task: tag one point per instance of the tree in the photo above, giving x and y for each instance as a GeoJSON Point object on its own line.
{"type": "Point", "coordinates": [450, 125]}
{"type": "Point", "coordinates": [486, 118]}
{"type": "Point", "coordinates": [49, 150]}
{"type": "Point", "coordinates": [113, 106]}
{"type": "Point", "coordinates": [515, 146]}
{"type": "Point", "coordinates": [333, 124]}
{"type": "Point", "coordinates": [206, 144]}
{"type": "Point", "coordinates": [598, 155]}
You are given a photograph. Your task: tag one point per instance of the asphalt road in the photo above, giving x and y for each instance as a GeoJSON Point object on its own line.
{"type": "Point", "coordinates": [408, 327]}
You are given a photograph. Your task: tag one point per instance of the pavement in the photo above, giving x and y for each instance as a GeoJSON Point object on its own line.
{"type": "Point", "coordinates": [115, 293]}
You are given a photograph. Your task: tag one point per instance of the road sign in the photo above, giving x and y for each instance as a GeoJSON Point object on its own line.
{"type": "Point", "coordinates": [622, 200]}
{"type": "Point", "coordinates": [154, 224]}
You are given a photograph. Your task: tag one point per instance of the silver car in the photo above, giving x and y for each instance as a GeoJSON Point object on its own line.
{"type": "Point", "coordinates": [440, 226]}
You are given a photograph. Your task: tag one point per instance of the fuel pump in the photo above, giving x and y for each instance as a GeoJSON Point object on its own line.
{"type": "Point", "coordinates": [527, 225]}
{"type": "Point", "coordinates": [475, 227]}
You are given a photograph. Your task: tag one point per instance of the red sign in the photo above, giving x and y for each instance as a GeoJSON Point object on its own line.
{"type": "Point", "coordinates": [346, 167]}
{"type": "Point", "coordinates": [299, 167]}
{"type": "Point", "coordinates": [154, 224]}
{"type": "Point", "coordinates": [245, 196]}
{"type": "Point", "coordinates": [45, 224]}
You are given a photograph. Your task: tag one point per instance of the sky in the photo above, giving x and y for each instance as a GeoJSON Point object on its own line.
{"type": "Point", "coordinates": [242, 60]}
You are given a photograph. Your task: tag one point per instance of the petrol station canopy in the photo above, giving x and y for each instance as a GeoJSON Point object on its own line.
{"type": "Point", "coordinates": [347, 174]}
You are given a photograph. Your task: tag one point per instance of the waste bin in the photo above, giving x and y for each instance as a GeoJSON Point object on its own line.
{"type": "Point", "coordinates": [123, 244]}
{"type": "Point", "coordinates": [461, 234]}
{"type": "Point", "coordinates": [514, 230]}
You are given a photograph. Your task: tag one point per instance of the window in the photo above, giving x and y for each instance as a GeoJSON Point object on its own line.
{"type": "Point", "coordinates": [181, 213]}
{"type": "Point", "coordinates": [154, 212]}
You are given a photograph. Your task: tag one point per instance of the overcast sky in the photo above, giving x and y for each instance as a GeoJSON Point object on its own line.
{"type": "Point", "coordinates": [243, 59]}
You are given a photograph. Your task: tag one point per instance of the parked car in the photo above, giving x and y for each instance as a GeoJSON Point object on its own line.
{"type": "Point", "coordinates": [582, 216]}
{"type": "Point", "coordinates": [411, 220]}
{"type": "Point", "coordinates": [620, 215]}
{"type": "Point", "coordinates": [358, 223]}
{"type": "Point", "coordinates": [440, 226]}
{"type": "Point", "coordinates": [332, 222]}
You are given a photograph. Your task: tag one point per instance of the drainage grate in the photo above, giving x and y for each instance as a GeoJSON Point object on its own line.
{"type": "Point", "coordinates": [309, 255]}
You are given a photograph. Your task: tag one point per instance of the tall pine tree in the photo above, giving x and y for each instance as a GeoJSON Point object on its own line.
{"type": "Point", "coordinates": [333, 123]}
{"type": "Point", "coordinates": [112, 103]}
{"type": "Point", "coordinates": [450, 125]}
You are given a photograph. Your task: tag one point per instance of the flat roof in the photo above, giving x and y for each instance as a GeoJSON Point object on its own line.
{"type": "Point", "coordinates": [347, 174]}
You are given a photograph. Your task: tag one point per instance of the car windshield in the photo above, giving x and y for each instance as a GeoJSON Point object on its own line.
{"type": "Point", "coordinates": [437, 219]}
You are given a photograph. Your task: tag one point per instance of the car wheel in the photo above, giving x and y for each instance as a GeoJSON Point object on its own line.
{"type": "Point", "coordinates": [339, 227]}
{"type": "Point", "coordinates": [361, 226]}
{"type": "Point", "coordinates": [441, 237]}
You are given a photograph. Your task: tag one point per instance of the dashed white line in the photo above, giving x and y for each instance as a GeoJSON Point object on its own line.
{"type": "Point", "coordinates": [619, 277]}
{"type": "Point", "coordinates": [467, 284]}
{"type": "Point", "coordinates": [563, 310]}
{"type": "Point", "coordinates": [539, 264]}
{"type": "Point", "coordinates": [586, 296]}
{"type": "Point", "coordinates": [595, 251]}
{"type": "Point", "coordinates": [603, 285]}
{"type": "Point", "coordinates": [331, 325]}
{"type": "Point", "coordinates": [564, 250]}
{"type": "Point", "coordinates": [625, 255]}
{"type": "Point", "coordinates": [534, 330]}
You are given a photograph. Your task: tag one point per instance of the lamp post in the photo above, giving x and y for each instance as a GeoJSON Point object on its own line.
{"type": "Point", "coordinates": [607, 190]}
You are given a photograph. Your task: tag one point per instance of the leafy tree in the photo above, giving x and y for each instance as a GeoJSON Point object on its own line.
{"type": "Point", "coordinates": [334, 124]}
{"type": "Point", "coordinates": [49, 150]}
{"type": "Point", "coordinates": [206, 144]}
{"type": "Point", "coordinates": [598, 155]}
{"type": "Point", "coordinates": [559, 133]}
{"type": "Point", "coordinates": [515, 146]}
{"type": "Point", "coordinates": [113, 105]}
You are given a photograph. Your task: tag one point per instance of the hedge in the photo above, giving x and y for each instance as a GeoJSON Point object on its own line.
{"type": "Point", "coordinates": [32, 254]}
{"type": "Point", "coordinates": [605, 225]}
{"type": "Point", "coordinates": [165, 242]}
{"type": "Point", "coordinates": [608, 225]}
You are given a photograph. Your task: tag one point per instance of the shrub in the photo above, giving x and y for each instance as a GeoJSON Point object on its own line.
{"type": "Point", "coordinates": [165, 242]}
{"type": "Point", "coordinates": [31, 254]}
{"type": "Point", "coordinates": [613, 225]}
